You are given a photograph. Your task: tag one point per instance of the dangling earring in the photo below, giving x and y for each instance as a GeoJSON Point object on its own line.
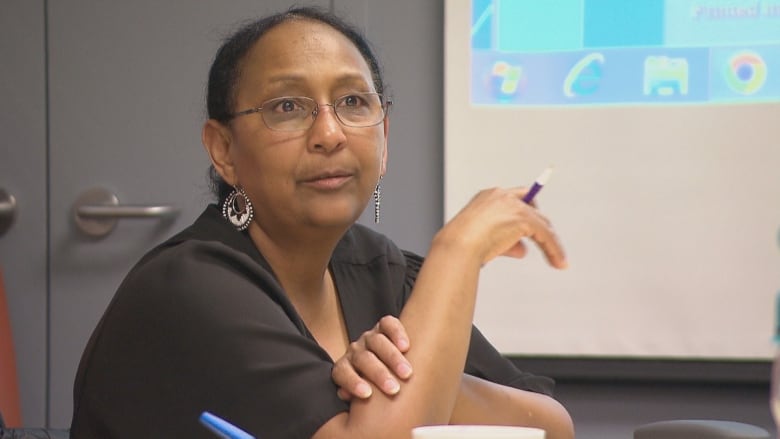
{"type": "Point", "coordinates": [238, 209]}
{"type": "Point", "coordinates": [377, 200]}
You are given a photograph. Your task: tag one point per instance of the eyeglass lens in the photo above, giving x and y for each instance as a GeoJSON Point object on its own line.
{"type": "Point", "coordinates": [298, 112]}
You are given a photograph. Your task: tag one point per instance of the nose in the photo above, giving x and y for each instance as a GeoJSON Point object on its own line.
{"type": "Point", "coordinates": [318, 108]}
{"type": "Point", "coordinates": [326, 132]}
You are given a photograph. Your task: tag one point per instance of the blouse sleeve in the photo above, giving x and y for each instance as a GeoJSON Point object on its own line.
{"type": "Point", "coordinates": [483, 360]}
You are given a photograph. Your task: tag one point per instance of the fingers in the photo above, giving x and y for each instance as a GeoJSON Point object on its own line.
{"type": "Point", "coordinates": [546, 238]}
{"type": "Point", "coordinates": [388, 346]}
{"type": "Point", "coordinates": [517, 251]}
{"type": "Point", "coordinates": [375, 371]}
{"type": "Point", "coordinates": [377, 358]}
{"type": "Point", "coordinates": [540, 230]}
{"type": "Point", "coordinates": [551, 246]}
{"type": "Point", "coordinates": [395, 331]}
{"type": "Point", "coordinates": [497, 220]}
{"type": "Point", "coordinates": [343, 394]}
{"type": "Point", "coordinates": [349, 382]}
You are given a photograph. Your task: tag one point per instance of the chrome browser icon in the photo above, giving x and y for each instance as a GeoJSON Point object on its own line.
{"type": "Point", "coordinates": [745, 72]}
{"type": "Point", "coordinates": [584, 77]}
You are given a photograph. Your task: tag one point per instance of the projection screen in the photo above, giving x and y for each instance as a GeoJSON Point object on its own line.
{"type": "Point", "coordinates": [662, 122]}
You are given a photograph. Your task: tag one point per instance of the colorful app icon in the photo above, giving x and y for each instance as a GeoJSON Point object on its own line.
{"type": "Point", "coordinates": [585, 77]}
{"type": "Point", "coordinates": [506, 80]}
{"type": "Point", "coordinates": [745, 72]}
{"type": "Point", "coordinates": [665, 76]}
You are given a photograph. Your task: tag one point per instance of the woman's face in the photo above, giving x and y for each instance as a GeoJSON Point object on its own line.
{"type": "Point", "coordinates": [323, 176]}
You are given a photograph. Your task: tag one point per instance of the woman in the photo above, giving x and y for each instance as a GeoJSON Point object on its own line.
{"type": "Point", "coordinates": [279, 313]}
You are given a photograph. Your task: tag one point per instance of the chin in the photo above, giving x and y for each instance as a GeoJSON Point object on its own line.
{"type": "Point", "coordinates": [334, 218]}
{"type": "Point", "coordinates": [334, 213]}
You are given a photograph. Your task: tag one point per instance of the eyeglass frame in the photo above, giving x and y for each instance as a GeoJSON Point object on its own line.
{"type": "Point", "coordinates": [385, 101]}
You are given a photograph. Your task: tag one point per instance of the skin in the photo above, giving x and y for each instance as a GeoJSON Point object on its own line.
{"type": "Point", "coordinates": [319, 181]}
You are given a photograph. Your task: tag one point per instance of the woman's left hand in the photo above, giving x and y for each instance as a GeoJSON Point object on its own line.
{"type": "Point", "coordinates": [377, 358]}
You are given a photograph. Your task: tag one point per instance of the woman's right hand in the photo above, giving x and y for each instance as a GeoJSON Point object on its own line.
{"type": "Point", "coordinates": [494, 223]}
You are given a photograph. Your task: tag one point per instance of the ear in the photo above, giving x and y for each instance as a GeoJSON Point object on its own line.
{"type": "Point", "coordinates": [217, 140]}
{"type": "Point", "coordinates": [383, 164]}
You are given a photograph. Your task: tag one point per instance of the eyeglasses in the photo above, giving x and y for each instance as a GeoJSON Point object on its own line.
{"type": "Point", "coordinates": [297, 113]}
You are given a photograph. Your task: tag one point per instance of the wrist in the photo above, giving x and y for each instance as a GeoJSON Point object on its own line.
{"type": "Point", "coordinates": [456, 246]}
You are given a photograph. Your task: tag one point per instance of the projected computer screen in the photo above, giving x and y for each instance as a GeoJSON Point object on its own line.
{"type": "Point", "coordinates": [573, 52]}
{"type": "Point", "coordinates": [662, 122]}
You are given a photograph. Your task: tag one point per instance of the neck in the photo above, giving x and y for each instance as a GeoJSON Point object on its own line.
{"type": "Point", "coordinates": [300, 262]}
{"type": "Point", "coordinates": [299, 259]}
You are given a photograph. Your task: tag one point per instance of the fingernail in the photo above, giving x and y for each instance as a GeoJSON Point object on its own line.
{"type": "Point", "coordinates": [404, 370]}
{"type": "Point", "coordinates": [391, 386]}
{"type": "Point", "coordinates": [403, 344]}
{"type": "Point", "coordinates": [363, 390]}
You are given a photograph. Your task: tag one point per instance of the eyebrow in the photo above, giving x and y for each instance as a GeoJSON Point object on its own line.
{"type": "Point", "coordinates": [285, 79]}
{"type": "Point", "coordinates": [297, 80]}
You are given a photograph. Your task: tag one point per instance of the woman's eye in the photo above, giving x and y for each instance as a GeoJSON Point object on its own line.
{"type": "Point", "coordinates": [352, 101]}
{"type": "Point", "coordinates": [286, 106]}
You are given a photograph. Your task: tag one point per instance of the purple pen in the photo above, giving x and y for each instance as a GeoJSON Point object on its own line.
{"type": "Point", "coordinates": [538, 184]}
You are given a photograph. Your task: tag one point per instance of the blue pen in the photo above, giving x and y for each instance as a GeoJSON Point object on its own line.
{"type": "Point", "coordinates": [223, 428]}
{"type": "Point", "coordinates": [538, 185]}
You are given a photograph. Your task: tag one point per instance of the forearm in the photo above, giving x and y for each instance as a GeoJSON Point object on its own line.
{"type": "Point", "coordinates": [438, 319]}
{"type": "Point", "coordinates": [483, 402]}
{"type": "Point", "coordinates": [438, 315]}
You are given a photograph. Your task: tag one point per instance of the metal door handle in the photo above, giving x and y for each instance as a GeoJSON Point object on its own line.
{"type": "Point", "coordinates": [7, 211]}
{"type": "Point", "coordinates": [125, 211]}
{"type": "Point", "coordinates": [97, 210]}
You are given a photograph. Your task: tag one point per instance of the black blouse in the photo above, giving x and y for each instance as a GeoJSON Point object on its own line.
{"type": "Point", "coordinates": [201, 324]}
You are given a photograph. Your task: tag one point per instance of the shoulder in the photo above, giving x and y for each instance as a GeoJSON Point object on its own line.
{"type": "Point", "coordinates": [361, 245]}
{"type": "Point", "coordinates": [206, 269]}
{"type": "Point", "coordinates": [196, 261]}
{"type": "Point", "coordinates": [209, 247]}
{"type": "Point", "coordinates": [377, 264]}
{"type": "Point", "coordinates": [195, 284]}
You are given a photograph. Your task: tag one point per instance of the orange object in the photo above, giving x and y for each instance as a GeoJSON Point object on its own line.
{"type": "Point", "coordinates": [9, 385]}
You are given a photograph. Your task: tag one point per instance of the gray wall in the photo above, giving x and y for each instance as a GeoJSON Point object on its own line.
{"type": "Point", "coordinates": [23, 168]}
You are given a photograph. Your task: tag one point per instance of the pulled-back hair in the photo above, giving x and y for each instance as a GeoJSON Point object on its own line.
{"type": "Point", "coordinates": [226, 67]}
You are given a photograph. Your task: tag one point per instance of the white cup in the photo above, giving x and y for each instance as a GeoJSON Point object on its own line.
{"type": "Point", "coordinates": [476, 432]}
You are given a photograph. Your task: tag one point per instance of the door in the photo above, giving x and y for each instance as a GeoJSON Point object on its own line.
{"type": "Point", "coordinates": [126, 103]}
{"type": "Point", "coordinates": [23, 176]}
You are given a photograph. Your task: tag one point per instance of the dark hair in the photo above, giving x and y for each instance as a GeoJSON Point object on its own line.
{"type": "Point", "coordinates": [225, 69]}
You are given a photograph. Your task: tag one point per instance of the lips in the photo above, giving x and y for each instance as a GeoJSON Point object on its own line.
{"type": "Point", "coordinates": [327, 175]}
{"type": "Point", "coordinates": [327, 180]}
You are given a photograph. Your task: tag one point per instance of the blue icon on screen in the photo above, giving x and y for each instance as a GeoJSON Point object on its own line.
{"type": "Point", "coordinates": [665, 76]}
{"type": "Point", "coordinates": [585, 77]}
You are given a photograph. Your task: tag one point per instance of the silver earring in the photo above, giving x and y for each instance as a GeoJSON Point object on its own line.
{"type": "Point", "coordinates": [377, 200]}
{"type": "Point", "coordinates": [238, 209]}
